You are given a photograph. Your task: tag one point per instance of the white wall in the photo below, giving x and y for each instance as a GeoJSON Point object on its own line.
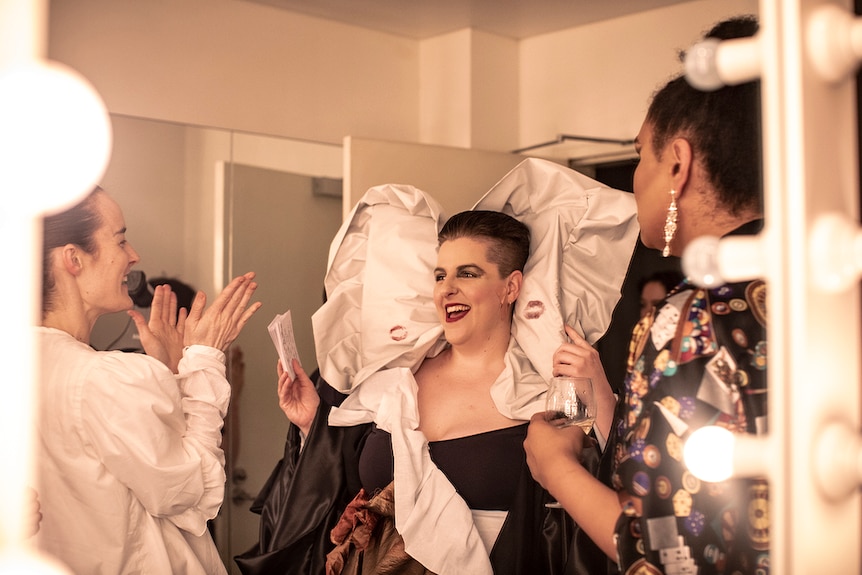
{"type": "Point", "coordinates": [596, 80]}
{"type": "Point", "coordinates": [169, 180]}
{"type": "Point", "coordinates": [469, 91]}
{"type": "Point", "coordinates": [245, 66]}
{"type": "Point", "coordinates": [240, 65]}
{"type": "Point", "coordinates": [146, 175]}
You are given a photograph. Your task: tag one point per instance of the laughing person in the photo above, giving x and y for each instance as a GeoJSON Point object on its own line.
{"type": "Point", "coordinates": [406, 454]}
{"type": "Point", "coordinates": [130, 466]}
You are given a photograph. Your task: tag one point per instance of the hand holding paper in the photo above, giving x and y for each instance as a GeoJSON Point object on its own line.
{"type": "Point", "coordinates": [281, 332]}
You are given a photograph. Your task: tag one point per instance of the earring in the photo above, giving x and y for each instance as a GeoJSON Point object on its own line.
{"type": "Point", "coordinates": [504, 308]}
{"type": "Point", "coordinates": [669, 224]}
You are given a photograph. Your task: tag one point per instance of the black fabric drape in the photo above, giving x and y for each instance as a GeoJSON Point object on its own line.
{"type": "Point", "coordinates": [306, 493]}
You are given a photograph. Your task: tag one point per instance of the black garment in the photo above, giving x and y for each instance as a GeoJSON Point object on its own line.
{"type": "Point", "coordinates": [484, 468]}
{"type": "Point", "coordinates": [306, 493]}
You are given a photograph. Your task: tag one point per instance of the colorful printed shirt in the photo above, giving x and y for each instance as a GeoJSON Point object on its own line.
{"type": "Point", "coordinates": [699, 360]}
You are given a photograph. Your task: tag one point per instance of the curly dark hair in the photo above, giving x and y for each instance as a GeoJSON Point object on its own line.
{"type": "Point", "coordinates": [723, 127]}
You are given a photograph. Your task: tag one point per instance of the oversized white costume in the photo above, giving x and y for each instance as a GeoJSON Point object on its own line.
{"type": "Point", "coordinates": [379, 323]}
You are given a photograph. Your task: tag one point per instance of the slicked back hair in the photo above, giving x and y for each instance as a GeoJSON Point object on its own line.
{"type": "Point", "coordinates": [76, 225]}
{"type": "Point", "coordinates": [508, 239]}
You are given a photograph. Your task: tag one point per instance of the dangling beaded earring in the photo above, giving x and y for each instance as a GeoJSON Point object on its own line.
{"type": "Point", "coordinates": [669, 224]}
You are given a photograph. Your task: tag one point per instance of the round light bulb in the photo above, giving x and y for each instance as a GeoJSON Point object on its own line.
{"type": "Point", "coordinates": [708, 453]}
{"type": "Point", "coordinates": [701, 65]}
{"type": "Point", "coordinates": [30, 562]}
{"type": "Point", "coordinates": [700, 261]}
{"type": "Point", "coordinates": [55, 136]}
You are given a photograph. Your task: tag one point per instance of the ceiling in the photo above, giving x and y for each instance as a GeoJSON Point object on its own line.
{"type": "Point", "coordinates": [421, 19]}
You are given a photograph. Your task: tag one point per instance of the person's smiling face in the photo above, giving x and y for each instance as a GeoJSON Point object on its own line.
{"type": "Point", "coordinates": [469, 292]}
{"type": "Point", "coordinates": [105, 271]}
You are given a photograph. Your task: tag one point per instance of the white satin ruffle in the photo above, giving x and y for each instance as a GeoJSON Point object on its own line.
{"type": "Point", "coordinates": [583, 235]}
{"type": "Point", "coordinates": [379, 323]}
{"type": "Point", "coordinates": [380, 313]}
{"type": "Point", "coordinates": [379, 310]}
{"type": "Point", "coordinates": [434, 521]}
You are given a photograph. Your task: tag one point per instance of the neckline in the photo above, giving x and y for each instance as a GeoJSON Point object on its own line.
{"type": "Point", "coordinates": [482, 433]}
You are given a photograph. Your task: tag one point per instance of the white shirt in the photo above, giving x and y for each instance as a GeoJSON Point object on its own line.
{"type": "Point", "coordinates": [129, 464]}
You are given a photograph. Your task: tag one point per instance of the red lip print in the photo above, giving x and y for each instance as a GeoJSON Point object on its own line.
{"type": "Point", "coordinates": [534, 309]}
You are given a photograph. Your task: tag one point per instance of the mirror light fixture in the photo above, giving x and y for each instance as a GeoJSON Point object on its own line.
{"type": "Point", "coordinates": [55, 135]}
{"type": "Point", "coordinates": [713, 453]}
{"type": "Point", "coordinates": [709, 261]}
{"type": "Point", "coordinates": [55, 141]}
{"type": "Point", "coordinates": [834, 39]}
{"type": "Point", "coordinates": [835, 252]}
{"type": "Point", "coordinates": [714, 63]}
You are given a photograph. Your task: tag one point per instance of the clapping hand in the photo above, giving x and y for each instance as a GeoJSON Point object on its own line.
{"type": "Point", "coordinates": [220, 324]}
{"type": "Point", "coordinates": [162, 336]}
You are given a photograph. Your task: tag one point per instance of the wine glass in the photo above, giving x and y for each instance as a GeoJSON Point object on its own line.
{"type": "Point", "coordinates": [570, 401]}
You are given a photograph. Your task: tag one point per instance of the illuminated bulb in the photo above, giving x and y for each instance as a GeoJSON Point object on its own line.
{"type": "Point", "coordinates": [55, 136]}
{"type": "Point", "coordinates": [30, 563]}
{"type": "Point", "coordinates": [709, 261]}
{"type": "Point", "coordinates": [701, 65]}
{"type": "Point", "coordinates": [708, 453]}
{"type": "Point", "coordinates": [837, 460]}
{"type": "Point", "coordinates": [834, 41]}
{"type": "Point", "coordinates": [835, 252]}
{"type": "Point", "coordinates": [713, 63]}
{"type": "Point", "coordinates": [700, 262]}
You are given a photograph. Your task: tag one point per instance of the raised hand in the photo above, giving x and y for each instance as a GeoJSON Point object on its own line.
{"type": "Point", "coordinates": [220, 324]}
{"type": "Point", "coordinates": [297, 397]}
{"type": "Point", "coordinates": [162, 336]}
{"type": "Point", "coordinates": [579, 358]}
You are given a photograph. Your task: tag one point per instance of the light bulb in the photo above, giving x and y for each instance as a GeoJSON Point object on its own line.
{"type": "Point", "coordinates": [713, 63]}
{"type": "Point", "coordinates": [55, 136]}
{"type": "Point", "coordinates": [701, 65]}
{"type": "Point", "coordinates": [708, 453]}
{"type": "Point", "coordinates": [709, 261]}
{"type": "Point", "coordinates": [700, 262]}
{"type": "Point", "coordinates": [15, 562]}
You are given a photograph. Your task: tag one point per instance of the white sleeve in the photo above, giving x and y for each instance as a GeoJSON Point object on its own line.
{"type": "Point", "coordinates": [160, 434]}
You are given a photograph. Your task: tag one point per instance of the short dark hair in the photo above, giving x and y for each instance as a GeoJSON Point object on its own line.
{"type": "Point", "coordinates": [508, 239]}
{"type": "Point", "coordinates": [76, 225]}
{"type": "Point", "coordinates": [723, 126]}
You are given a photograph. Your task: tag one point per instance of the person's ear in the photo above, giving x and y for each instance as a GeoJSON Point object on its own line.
{"type": "Point", "coordinates": [72, 261]}
{"type": "Point", "coordinates": [513, 286]}
{"type": "Point", "coordinates": [681, 164]}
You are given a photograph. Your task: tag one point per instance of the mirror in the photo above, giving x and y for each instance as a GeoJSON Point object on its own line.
{"type": "Point", "coordinates": [202, 205]}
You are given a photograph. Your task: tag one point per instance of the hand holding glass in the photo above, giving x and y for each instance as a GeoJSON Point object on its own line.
{"type": "Point", "coordinates": [570, 401]}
